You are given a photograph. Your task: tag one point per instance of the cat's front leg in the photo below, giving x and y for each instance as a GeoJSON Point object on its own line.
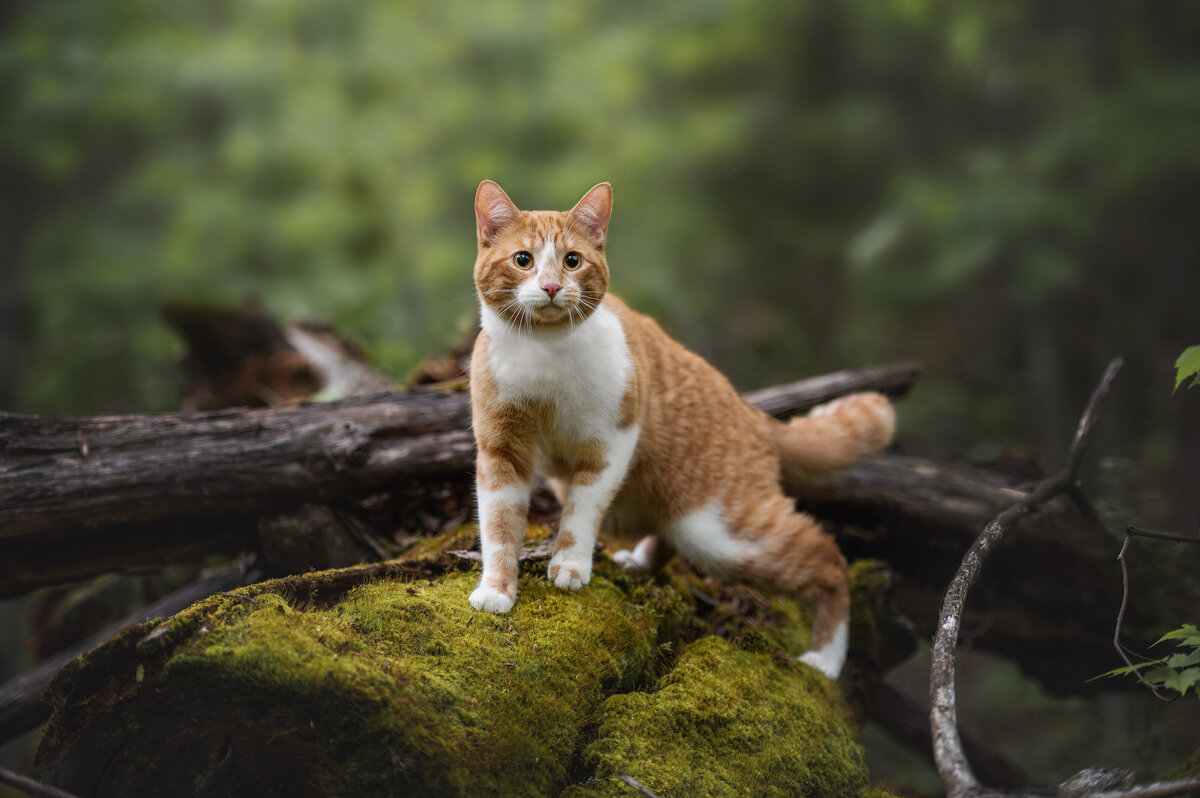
{"type": "Point", "coordinates": [502, 491]}
{"type": "Point", "coordinates": [599, 471]}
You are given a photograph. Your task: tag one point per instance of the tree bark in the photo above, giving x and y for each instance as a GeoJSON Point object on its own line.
{"type": "Point", "coordinates": [81, 496]}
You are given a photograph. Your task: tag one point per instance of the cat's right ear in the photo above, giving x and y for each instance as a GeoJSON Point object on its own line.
{"type": "Point", "coordinates": [493, 211]}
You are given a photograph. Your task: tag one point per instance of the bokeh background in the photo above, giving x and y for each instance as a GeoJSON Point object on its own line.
{"type": "Point", "coordinates": [1006, 191]}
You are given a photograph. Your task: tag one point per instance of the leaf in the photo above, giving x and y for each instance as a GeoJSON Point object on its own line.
{"type": "Point", "coordinates": [1125, 670]}
{"type": "Point", "coordinates": [1188, 365]}
{"type": "Point", "coordinates": [1181, 681]}
{"type": "Point", "coordinates": [1159, 675]}
{"type": "Point", "coordinates": [1182, 660]}
{"type": "Point", "coordinates": [1188, 633]}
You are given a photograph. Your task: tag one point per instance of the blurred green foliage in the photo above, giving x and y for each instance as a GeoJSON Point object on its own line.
{"type": "Point", "coordinates": [1008, 191]}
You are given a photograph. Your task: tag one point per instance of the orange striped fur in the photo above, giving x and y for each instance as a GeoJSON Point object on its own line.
{"type": "Point", "coordinates": [637, 435]}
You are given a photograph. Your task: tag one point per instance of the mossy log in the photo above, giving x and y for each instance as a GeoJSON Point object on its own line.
{"type": "Point", "coordinates": [328, 685]}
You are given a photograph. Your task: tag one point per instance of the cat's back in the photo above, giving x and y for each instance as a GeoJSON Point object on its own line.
{"type": "Point", "coordinates": [674, 378]}
{"type": "Point", "coordinates": [685, 401]}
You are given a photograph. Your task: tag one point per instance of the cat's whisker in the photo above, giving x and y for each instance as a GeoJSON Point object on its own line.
{"type": "Point", "coordinates": [511, 323]}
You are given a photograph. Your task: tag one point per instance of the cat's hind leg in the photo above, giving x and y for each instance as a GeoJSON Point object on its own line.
{"type": "Point", "coordinates": [649, 556]}
{"type": "Point", "coordinates": [800, 558]}
{"type": "Point", "coordinates": [769, 544]}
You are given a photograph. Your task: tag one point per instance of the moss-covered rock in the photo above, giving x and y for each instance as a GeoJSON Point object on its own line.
{"type": "Point", "coordinates": [728, 722]}
{"type": "Point", "coordinates": [399, 687]}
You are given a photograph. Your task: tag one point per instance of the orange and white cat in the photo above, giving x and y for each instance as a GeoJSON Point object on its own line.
{"type": "Point", "coordinates": [637, 434]}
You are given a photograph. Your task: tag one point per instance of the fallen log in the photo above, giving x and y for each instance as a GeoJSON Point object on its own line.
{"type": "Point", "coordinates": [119, 489]}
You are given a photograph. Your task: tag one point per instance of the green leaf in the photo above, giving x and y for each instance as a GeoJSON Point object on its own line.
{"type": "Point", "coordinates": [1188, 365]}
{"type": "Point", "coordinates": [1159, 675]}
{"type": "Point", "coordinates": [1125, 670]}
{"type": "Point", "coordinates": [1182, 660]}
{"type": "Point", "coordinates": [1188, 633]}
{"type": "Point", "coordinates": [1181, 681]}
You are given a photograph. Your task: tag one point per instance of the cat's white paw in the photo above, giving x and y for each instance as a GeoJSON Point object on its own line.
{"type": "Point", "coordinates": [822, 663]}
{"type": "Point", "coordinates": [488, 599]}
{"type": "Point", "coordinates": [830, 658]}
{"type": "Point", "coordinates": [569, 571]}
{"type": "Point", "coordinates": [630, 561]}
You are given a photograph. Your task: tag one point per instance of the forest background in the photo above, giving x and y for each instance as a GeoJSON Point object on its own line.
{"type": "Point", "coordinates": [1006, 191]}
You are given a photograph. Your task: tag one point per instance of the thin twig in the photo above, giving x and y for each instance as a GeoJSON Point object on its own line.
{"type": "Point", "coordinates": [1117, 644]}
{"type": "Point", "coordinates": [1150, 533]}
{"type": "Point", "coordinates": [239, 597]}
{"type": "Point", "coordinates": [1132, 531]}
{"type": "Point", "coordinates": [637, 785]}
{"type": "Point", "coordinates": [32, 787]}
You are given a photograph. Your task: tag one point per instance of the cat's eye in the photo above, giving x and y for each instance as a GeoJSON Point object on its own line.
{"type": "Point", "coordinates": [571, 261]}
{"type": "Point", "coordinates": [523, 260]}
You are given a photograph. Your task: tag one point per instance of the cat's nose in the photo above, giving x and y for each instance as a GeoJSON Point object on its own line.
{"type": "Point", "coordinates": [551, 289]}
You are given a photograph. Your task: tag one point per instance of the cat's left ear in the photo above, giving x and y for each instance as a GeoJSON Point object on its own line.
{"type": "Point", "coordinates": [592, 212]}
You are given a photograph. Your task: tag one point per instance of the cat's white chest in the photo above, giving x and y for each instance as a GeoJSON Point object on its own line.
{"type": "Point", "coordinates": [582, 372]}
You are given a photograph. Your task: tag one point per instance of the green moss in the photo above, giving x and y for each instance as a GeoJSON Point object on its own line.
{"type": "Point", "coordinates": [869, 580]}
{"type": "Point", "coordinates": [408, 688]}
{"type": "Point", "coordinates": [400, 687]}
{"type": "Point", "coordinates": [728, 722]}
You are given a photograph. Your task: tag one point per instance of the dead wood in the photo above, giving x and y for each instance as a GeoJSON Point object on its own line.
{"type": "Point", "coordinates": [949, 754]}
{"type": "Point", "coordinates": [81, 496]}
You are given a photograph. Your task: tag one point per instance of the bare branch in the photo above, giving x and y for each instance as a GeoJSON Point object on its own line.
{"type": "Point", "coordinates": [1162, 789]}
{"type": "Point", "coordinates": [1133, 531]}
{"type": "Point", "coordinates": [1150, 533]}
{"type": "Point", "coordinates": [1117, 644]}
{"type": "Point", "coordinates": [31, 787]}
{"type": "Point", "coordinates": [636, 785]}
{"type": "Point", "coordinates": [951, 762]}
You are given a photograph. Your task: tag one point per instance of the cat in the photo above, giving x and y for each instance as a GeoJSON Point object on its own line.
{"type": "Point", "coordinates": [635, 433]}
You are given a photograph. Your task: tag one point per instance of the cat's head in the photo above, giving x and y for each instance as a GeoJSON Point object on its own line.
{"type": "Point", "coordinates": [541, 270]}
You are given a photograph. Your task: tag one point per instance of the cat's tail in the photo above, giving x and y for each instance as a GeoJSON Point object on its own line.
{"type": "Point", "coordinates": [834, 436]}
